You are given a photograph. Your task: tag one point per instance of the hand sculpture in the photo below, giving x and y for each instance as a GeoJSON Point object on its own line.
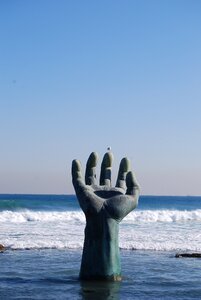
{"type": "Point", "coordinates": [104, 207]}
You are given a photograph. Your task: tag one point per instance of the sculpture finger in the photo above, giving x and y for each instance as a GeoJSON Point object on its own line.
{"type": "Point", "coordinates": [90, 174]}
{"type": "Point", "coordinates": [123, 170]}
{"type": "Point", "coordinates": [76, 173]}
{"type": "Point", "coordinates": [132, 184]}
{"type": "Point", "coordinates": [106, 166]}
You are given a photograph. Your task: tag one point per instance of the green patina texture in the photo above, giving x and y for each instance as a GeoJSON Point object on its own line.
{"type": "Point", "coordinates": [104, 207]}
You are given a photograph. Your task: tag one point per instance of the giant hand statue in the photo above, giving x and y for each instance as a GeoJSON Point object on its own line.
{"type": "Point", "coordinates": [104, 207]}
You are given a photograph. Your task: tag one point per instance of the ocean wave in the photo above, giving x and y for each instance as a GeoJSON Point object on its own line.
{"type": "Point", "coordinates": [164, 216]}
{"type": "Point", "coordinates": [41, 216]}
{"type": "Point", "coordinates": [136, 245]}
{"type": "Point", "coordinates": [161, 230]}
{"type": "Point", "coordinates": [139, 216]}
{"type": "Point", "coordinates": [43, 246]}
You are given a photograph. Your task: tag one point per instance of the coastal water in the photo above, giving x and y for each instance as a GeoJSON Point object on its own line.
{"type": "Point", "coordinates": [43, 235]}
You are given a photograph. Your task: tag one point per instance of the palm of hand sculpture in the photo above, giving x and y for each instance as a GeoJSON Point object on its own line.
{"type": "Point", "coordinates": [104, 207]}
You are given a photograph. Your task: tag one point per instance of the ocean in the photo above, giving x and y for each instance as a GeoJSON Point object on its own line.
{"type": "Point", "coordinates": [44, 234]}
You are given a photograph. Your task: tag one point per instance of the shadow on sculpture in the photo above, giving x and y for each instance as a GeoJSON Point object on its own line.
{"type": "Point", "coordinates": [104, 208]}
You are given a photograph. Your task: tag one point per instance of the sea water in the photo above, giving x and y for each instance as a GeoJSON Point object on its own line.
{"type": "Point", "coordinates": [44, 234]}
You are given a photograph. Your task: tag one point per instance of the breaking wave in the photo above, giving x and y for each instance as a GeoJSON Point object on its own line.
{"type": "Point", "coordinates": [140, 216]}
{"type": "Point", "coordinates": [158, 230]}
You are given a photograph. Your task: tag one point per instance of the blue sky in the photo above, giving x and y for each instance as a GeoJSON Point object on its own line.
{"type": "Point", "coordinates": [77, 76]}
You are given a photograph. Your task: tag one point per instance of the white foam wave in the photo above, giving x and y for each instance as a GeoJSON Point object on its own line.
{"type": "Point", "coordinates": [138, 216]}
{"type": "Point", "coordinates": [40, 245]}
{"type": "Point", "coordinates": [41, 216]}
{"type": "Point", "coordinates": [178, 244]}
{"type": "Point", "coordinates": [162, 230]}
{"type": "Point", "coordinates": [154, 216]}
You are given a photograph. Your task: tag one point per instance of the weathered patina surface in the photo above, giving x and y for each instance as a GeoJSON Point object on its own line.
{"type": "Point", "coordinates": [104, 207]}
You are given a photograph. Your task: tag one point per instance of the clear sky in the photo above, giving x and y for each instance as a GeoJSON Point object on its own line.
{"type": "Point", "coordinates": [79, 76]}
